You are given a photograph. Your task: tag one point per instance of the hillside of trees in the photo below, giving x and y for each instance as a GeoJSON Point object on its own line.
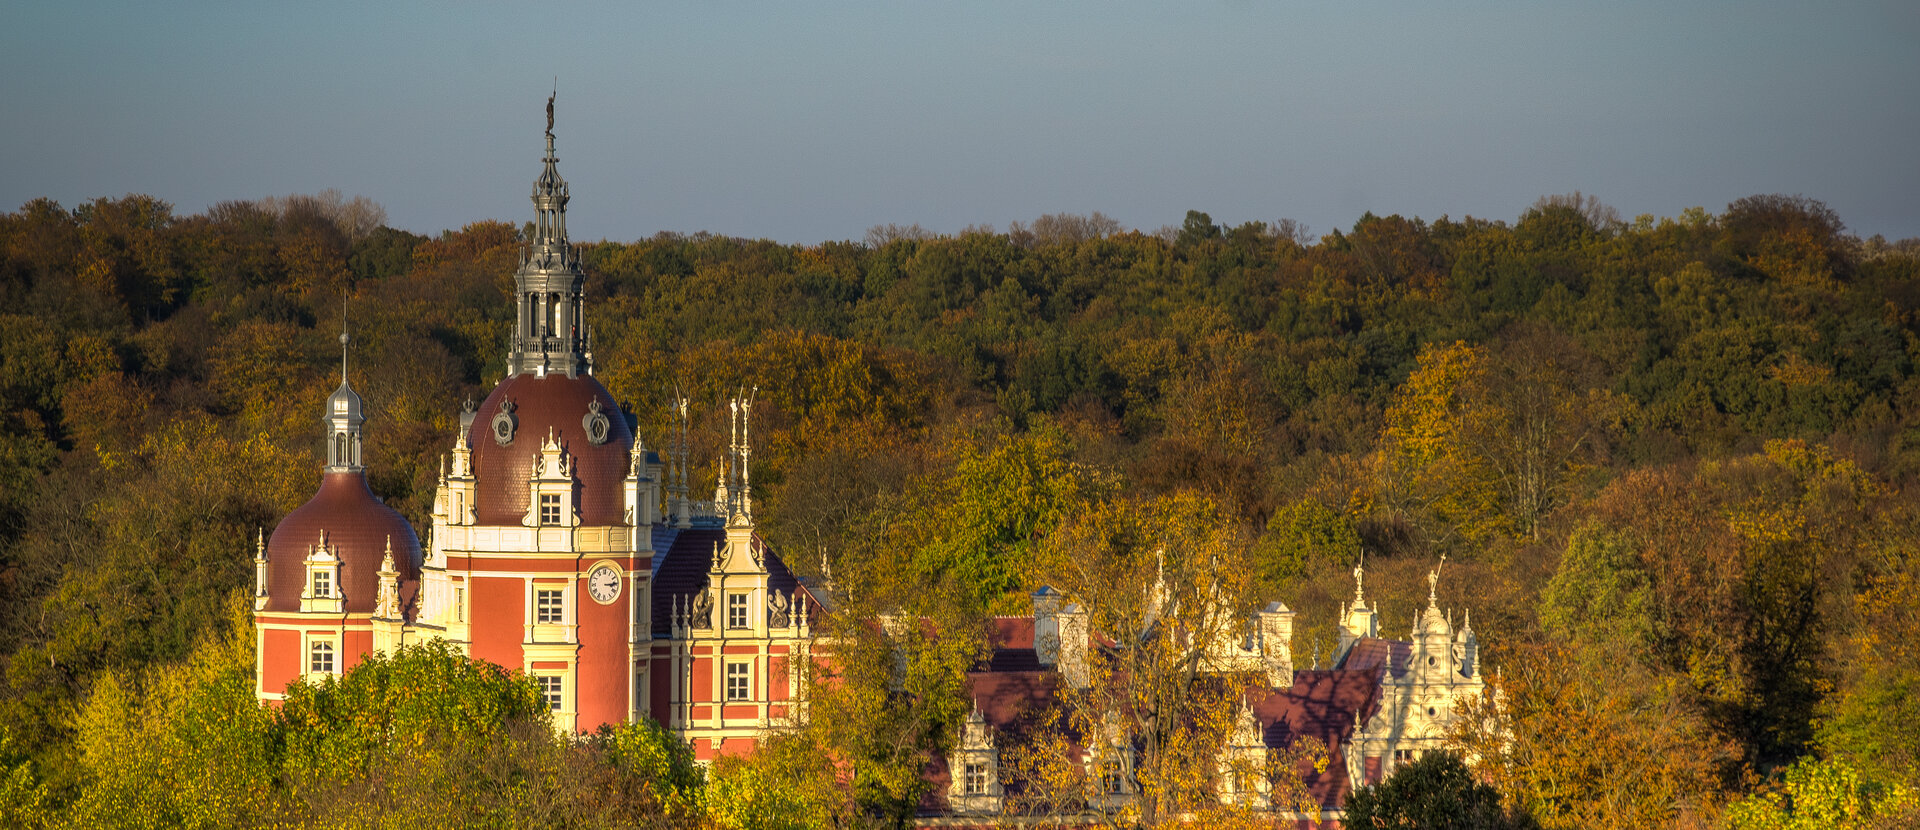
{"type": "Point", "coordinates": [1672, 466]}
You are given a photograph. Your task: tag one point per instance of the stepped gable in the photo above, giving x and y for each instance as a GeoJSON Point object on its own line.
{"type": "Point", "coordinates": [682, 571]}
{"type": "Point", "coordinates": [560, 404]}
{"type": "Point", "coordinates": [359, 526]}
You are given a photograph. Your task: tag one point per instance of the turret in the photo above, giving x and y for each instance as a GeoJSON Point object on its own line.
{"type": "Point", "coordinates": [343, 419]}
{"type": "Point", "coordinates": [549, 333]}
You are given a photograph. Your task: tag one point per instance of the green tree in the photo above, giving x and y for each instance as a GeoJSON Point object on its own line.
{"type": "Point", "coordinates": [1822, 793]}
{"type": "Point", "coordinates": [1435, 792]}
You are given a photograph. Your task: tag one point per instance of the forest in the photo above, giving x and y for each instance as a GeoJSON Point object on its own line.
{"type": "Point", "coordinates": [1671, 465]}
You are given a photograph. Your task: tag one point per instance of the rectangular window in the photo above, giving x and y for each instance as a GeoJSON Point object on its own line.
{"type": "Point", "coordinates": [320, 657]}
{"type": "Point", "coordinates": [737, 686]}
{"type": "Point", "coordinates": [550, 686]}
{"type": "Point", "coordinates": [1112, 781]}
{"type": "Point", "coordinates": [976, 780]}
{"type": "Point", "coordinates": [736, 610]}
{"type": "Point", "coordinates": [550, 607]}
{"type": "Point", "coordinates": [322, 584]}
{"type": "Point", "coordinates": [549, 508]}
{"type": "Point", "coordinates": [1402, 756]}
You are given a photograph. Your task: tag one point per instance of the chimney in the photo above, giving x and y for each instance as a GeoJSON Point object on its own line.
{"type": "Point", "coordinates": [1276, 644]}
{"type": "Point", "coordinates": [1060, 636]}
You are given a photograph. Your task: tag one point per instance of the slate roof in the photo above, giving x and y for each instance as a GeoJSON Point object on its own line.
{"type": "Point", "coordinates": [1375, 653]}
{"type": "Point", "coordinates": [681, 558]}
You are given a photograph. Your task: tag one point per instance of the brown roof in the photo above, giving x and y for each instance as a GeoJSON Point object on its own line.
{"type": "Point", "coordinates": [1324, 705]}
{"type": "Point", "coordinates": [1375, 653]}
{"type": "Point", "coordinates": [355, 522]}
{"type": "Point", "coordinates": [560, 404]}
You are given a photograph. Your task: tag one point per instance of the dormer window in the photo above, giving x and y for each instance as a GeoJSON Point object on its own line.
{"type": "Point", "coordinates": [737, 610]}
{"type": "Point", "coordinates": [322, 584]}
{"type": "Point", "coordinates": [976, 779]}
{"type": "Point", "coordinates": [549, 509]}
{"type": "Point", "coordinates": [1112, 777]}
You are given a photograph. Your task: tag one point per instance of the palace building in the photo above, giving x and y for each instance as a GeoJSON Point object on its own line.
{"type": "Point", "coordinates": [1383, 703]}
{"type": "Point", "coordinates": [563, 547]}
{"type": "Point", "coordinates": [560, 545]}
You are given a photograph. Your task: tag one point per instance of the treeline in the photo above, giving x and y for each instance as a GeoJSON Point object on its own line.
{"type": "Point", "coordinates": [1668, 461]}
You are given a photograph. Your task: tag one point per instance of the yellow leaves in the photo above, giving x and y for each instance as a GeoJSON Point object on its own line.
{"type": "Point", "coordinates": [1767, 524]}
{"type": "Point", "coordinates": [1818, 465]}
{"type": "Point", "coordinates": [1421, 420]}
{"type": "Point", "coordinates": [1430, 465]}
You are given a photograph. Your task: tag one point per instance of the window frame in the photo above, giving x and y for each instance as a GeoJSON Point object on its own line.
{"type": "Point", "coordinates": [741, 671]}
{"type": "Point", "coordinates": [322, 648]}
{"type": "Point", "coordinates": [549, 509]}
{"type": "Point", "coordinates": [740, 601]}
{"type": "Point", "coordinates": [1113, 776]}
{"type": "Point", "coordinates": [549, 606]}
{"type": "Point", "coordinates": [974, 778]}
{"type": "Point", "coordinates": [553, 687]}
{"type": "Point", "coordinates": [320, 583]}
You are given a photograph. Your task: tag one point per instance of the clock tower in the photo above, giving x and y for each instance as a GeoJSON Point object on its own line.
{"type": "Point", "coordinates": [540, 554]}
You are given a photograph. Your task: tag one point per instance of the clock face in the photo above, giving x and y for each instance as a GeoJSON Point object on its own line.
{"type": "Point", "coordinates": [603, 584]}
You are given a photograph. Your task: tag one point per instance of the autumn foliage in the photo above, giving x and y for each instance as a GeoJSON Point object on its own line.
{"type": "Point", "coordinates": [1670, 463]}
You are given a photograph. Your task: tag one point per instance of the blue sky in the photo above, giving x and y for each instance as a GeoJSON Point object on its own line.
{"type": "Point", "coordinates": [810, 121]}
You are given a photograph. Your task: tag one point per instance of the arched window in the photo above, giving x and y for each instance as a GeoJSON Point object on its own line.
{"type": "Point", "coordinates": [339, 448]}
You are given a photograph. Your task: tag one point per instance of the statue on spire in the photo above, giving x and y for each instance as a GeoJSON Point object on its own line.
{"type": "Point", "coordinates": [556, 94]}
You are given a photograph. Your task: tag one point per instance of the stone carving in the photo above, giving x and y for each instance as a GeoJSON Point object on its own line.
{"type": "Point", "coordinates": [703, 611]}
{"type": "Point", "coordinates": [780, 607]}
{"type": "Point", "coordinates": [504, 424]}
{"type": "Point", "coordinates": [597, 426]}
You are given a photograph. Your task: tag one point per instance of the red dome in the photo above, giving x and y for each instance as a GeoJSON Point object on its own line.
{"type": "Point", "coordinates": [356, 523]}
{"type": "Point", "coordinates": [559, 404]}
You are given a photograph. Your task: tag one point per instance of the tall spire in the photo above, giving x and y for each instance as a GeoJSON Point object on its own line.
{"type": "Point", "coordinates": [344, 416]}
{"type": "Point", "coordinates": [549, 332]}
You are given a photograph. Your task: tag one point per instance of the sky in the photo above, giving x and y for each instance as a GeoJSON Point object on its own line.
{"type": "Point", "coordinates": [811, 121]}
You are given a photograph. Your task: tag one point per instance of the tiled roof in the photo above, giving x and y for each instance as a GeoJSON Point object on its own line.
{"type": "Point", "coordinates": [1324, 705]}
{"type": "Point", "coordinates": [1375, 653]}
{"type": "Point", "coordinates": [557, 403]}
{"type": "Point", "coordinates": [359, 525]}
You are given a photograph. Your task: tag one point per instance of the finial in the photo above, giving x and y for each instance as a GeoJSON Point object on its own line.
{"type": "Point", "coordinates": [344, 340]}
{"type": "Point", "coordinates": [260, 542]}
{"type": "Point", "coordinates": [1359, 580]}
